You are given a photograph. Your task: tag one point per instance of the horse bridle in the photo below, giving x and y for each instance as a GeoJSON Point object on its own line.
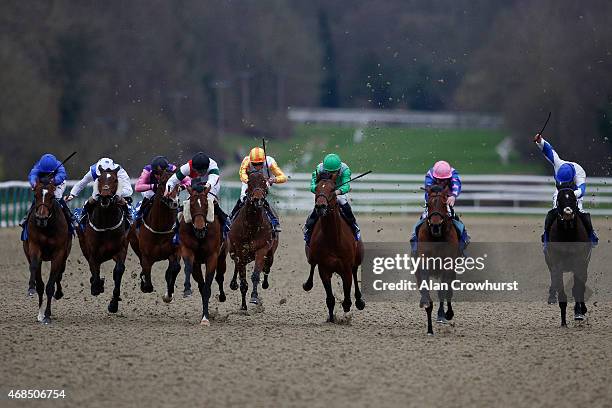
{"type": "Point", "coordinates": [42, 221]}
{"type": "Point", "coordinates": [567, 210]}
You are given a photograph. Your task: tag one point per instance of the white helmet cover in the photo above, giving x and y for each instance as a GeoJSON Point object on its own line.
{"type": "Point", "coordinates": [106, 164]}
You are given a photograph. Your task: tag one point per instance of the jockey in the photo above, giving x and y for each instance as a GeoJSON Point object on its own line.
{"type": "Point", "coordinates": [202, 170]}
{"type": "Point", "coordinates": [332, 164]}
{"type": "Point", "coordinates": [442, 174]}
{"type": "Point", "coordinates": [566, 172]}
{"type": "Point", "coordinates": [50, 170]}
{"type": "Point", "coordinates": [124, 189]}
{"type": "Point", "coordinates": [148, 180]}
{"type": "Point", "coordinates": [255, 162]}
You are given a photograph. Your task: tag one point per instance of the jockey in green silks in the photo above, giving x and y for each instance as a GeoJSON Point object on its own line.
{"type": "Point", "coordinates": [333, 164]}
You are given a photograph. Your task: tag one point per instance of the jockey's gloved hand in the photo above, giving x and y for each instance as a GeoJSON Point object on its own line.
{"type": "Point", "coordinates": [272, 180]}
{"type": "Point", "coordinates": [451, 200]}
{"type": "Point", "coordinates": [338, 192]}
{"type": "Point", "coordinates": [69, 197]}
{"type": "Point", "coordinates": [537, 138]}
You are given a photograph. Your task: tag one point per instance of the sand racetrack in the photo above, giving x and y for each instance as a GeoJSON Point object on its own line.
{"type": "Point", "coordinates": [156, 354]}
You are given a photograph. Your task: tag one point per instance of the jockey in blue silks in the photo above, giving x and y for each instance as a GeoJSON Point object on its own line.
{"type": "Point", "coordinates": [444, 175]}
{"type": "Point", "coordinates": [50, 170]}
{"type": "Point", "coordinates": [566, 173]}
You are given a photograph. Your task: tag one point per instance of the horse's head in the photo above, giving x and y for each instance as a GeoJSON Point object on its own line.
{"type": "Point", "coordinates": [325, 193]}
{"type": "Point", "coordinates": [108, 183]}
{"type": "Point", "coordinates": [171, 200]}
{"type": "Point", "coordinates": [257, 188]}
{"type": "Point", "coordinates": [43, 196]}
{"type": "Point", "coordinates": [437, 209]}
{"type": "Point", "coordinates": [567, 207]}
{"type": "Point", "coordinates": [198, 206]}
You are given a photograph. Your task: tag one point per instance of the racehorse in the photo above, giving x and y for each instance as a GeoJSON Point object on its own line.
{"type": "Point", "coordinates": [49, 239]}
{"type": "Point", "coordinates": [568, 250]}
{"type": "Point", "coordinates": [437, 238]}
{"type": "Point", "coordinates": [105, 235]}
{"type": "Point", "coordinates": [152, 238]}
{"type": "Point", "coordinates": [251, 238]}
{"type": "Point", "coordinates": [202, 243]}
{"type": "Point", "coordinates": [333, 247]}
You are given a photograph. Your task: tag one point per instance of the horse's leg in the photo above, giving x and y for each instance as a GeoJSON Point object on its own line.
{"type": "Point", "coordinates": [146, 286]}
{"type": "Point", "coordinates": [234, 281]}
{"type": "Point", "coordinates": [196, 273]}
{"type": "Point", "coordinates": [347, 282]}
{"type": "Point", "coordinates": [244, 286]}
{"type": "Point", "coordinates": [56, 267]}
{"type": "Point", "coordinates": [557, 282]}
{"type": "Point", "coordinates": [220, 274]}
{"type": "Point", "coordinates": [441, 315]}
{"type": "Point", "coordinates": [268, 261]}
{"type": "Point", "coordinates": [97, 283]}
{"type": "Point", "coordinates": [118, 270]}
{"type": "Point", "coordinates": [423, 278]}
{"type": "Point", "coordinates": [330, 300]}
{"type": "Point", "coordinates": [35, 265]}
{"type": "Point", "coordinates": [580, 277]}
{"type": "Point", "coordinates": [205, 290]}
{"type": "Point", "coordinates": [428, 310]}
{"type": "Point", "coordinates": [308, 284]}
{"type": "Point", "coordinates": [359, 302]}
{"type": "Point", "coordinates": [257, 268]}
{"type": "Point", "coordinates": [59, 293]}
{"type": "Point", "coordinates": [188, 261]}
{"type": "Point", "coordinates": [174, 267]}
{"type": "Point", "coordinates": [449, 308]}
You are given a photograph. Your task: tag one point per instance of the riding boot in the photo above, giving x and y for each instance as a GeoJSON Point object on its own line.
{"type": "Point", "coordinates": [68, 214]}
{"type": "Point", "coordinates": [309, 225]}
{"type": "Point", "coordinates": [223, 218]}
{"type": "Point", "coordinates": [348, 213]}
{"type": "Point", "coordinates": [273, 217]}
{"type": "Point", "coordinates": [143, 208]}
{"type": "Point", "coordinates": [236, 208]}
{"type": "Point", "coordinates": [550, 217]}
{"type": "Point", "coordinates": [24, 220]}
{"type": "Point", "coordinates": [586, 220]}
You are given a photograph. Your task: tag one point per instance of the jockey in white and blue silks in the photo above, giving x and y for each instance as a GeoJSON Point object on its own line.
{"type": "Point", "coordinates": [124, 189]}
{"type": "Point", "coordinates": [569, 173]}
{"type": "Point", "coordinates": [50, 170]}
{"type": "Point", "coordinates": [443, 174]}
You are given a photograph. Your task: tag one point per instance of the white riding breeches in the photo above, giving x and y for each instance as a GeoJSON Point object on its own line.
{"type": "Point", "coordinates": [342, 199]}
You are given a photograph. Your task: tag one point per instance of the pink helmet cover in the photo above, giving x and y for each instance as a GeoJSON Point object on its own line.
{"type": "Point", "coordinates": [442, 170]}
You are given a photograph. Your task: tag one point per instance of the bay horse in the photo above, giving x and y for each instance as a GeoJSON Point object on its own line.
{"type": "Point", "coordinates": [49, 240]}
{"type": "Point", "coordinates": [152, 238]}
{"type": "Point", "coordinates": [202, 243]}
{"type": "Point", "coordinates": [437, 238]}
{"type": "Point", "coordinates": [252, 238]}
{"type": "Point", "coordinates": [333, 247]}
{"type": "Point", "coordinates": [568, 250]}
{"type": "Point", "coordinates": [105, 235]}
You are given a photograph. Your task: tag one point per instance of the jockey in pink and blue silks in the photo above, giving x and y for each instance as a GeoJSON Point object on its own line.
{"type": "Point", "coordinates": [444, 175]}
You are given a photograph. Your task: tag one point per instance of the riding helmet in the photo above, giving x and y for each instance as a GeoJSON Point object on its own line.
{"type": "Point", "coordinates": [332, 162]}
{"type": "Point", "coordinates": [47, 163]}
{"type": "Point", "coordinates": [200, 162]}
{"type": "Point", "coordinates": [566, 173]}
{"type": "Point", "coordinates": [159, 162]}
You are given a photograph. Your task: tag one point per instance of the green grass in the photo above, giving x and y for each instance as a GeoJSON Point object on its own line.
{"type": "Point", "coordinates": [392, 149]}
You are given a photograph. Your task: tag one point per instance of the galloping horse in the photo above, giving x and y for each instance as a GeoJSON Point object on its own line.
{"type": "Point", "coordinates": [251, 238]}
{"type": "Point", "coordinates": [49, 239]}
{"type": "Point", "coordinates": [438, 238]}
{"type": "Point", "coordinates": [105, 235]}
{"type": "Point", "coordinates": [152, 238]}
{"type": "Point", "coordinates": [569, 250]}
{"type": "Point", "coordinates": [333, 247]}
{"type": "Point", "coordinates": [202, 242]}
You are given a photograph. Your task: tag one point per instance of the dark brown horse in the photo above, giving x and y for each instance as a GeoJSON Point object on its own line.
{"type": "Point", "coordinates": [49, 239]}
{"type": "Point", "coordinates": [333, 248]}
{"type": "Point", "coordinates": [152, 238]}
{"type": "Point", "coordinates": [569, 250]}
{"type": "Point", "coordinates": [202, 243]}
{"type": "Point", "coordinates": [105, 235]}
{"type": "Point", "coordinates": [437, 237]}
{"type": "Point", "coordinates": [251, 238]}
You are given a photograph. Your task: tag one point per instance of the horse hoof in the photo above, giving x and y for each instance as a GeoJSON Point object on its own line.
{"type": "Point", "coordinates": [222, 297]}
{"type": "Point", "coordinates": [449, 315]}
{"type": "Point", "coordinates": [234, 285]}
{"type": "Point", "coordinates": [58, 294]}
{"type": "Point", "coordinates": [204, 322]}
{"type": "Point", "coordinates": [254, 300]}
{"type": "Point", "coordinates": [579, 317]}
{"type": "Point", "coordinates": [146, 288]}
{"type": "Point", "coordinates": [113, 306]}
{"type": "Point", "coordinates": [46, 321]}
{"type": "Point", "coordinates": [166, 298]}
{"type": "Point", "coordinates": [307, 286]}
{"type": "Point", "coordinates": [31, 292]}
{"type": "Point", "coordinates": [430, 334]}
{"type": "Point", "coordinates": [360, 304]}
{"type": "Point", "coordinates": [441, 320]}
{"type": "Point", "coordinates": [552, 300]}
{"type": "Point", "coordinates": [187, 293]}
{"type": "Point", "coordinates": [265, 284]}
